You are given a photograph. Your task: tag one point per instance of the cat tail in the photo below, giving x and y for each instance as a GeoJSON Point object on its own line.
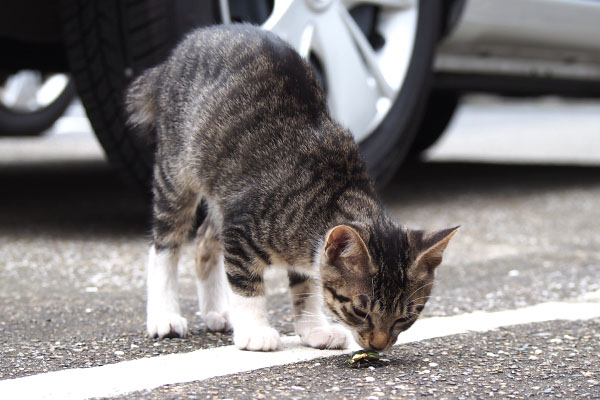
{"type": "Point", "coordinates": [140, 103]}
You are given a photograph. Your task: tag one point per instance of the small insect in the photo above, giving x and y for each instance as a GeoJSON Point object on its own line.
{"type": "Point", "coordinates": [363, 358]}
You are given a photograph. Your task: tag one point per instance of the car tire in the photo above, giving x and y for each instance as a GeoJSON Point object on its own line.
{"type": "Point", "coordinates": [108, 43]}
{"type": "Point", "coordinates": [387, 146]}
{"type": "Point", "coordinates": [440, 106]}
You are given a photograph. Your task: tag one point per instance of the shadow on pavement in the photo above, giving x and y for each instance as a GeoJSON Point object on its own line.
{"type": "Point", "coordinates": [89, 196]}
{"type": "Point", "coordinates": [437, 181]}
{"type": "Point", "coordinates": [70, 197]}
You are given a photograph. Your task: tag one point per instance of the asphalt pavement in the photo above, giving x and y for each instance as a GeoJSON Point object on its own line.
{"type": "Point", "coordinates": [73, 244]}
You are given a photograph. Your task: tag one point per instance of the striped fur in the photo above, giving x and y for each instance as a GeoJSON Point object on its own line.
{"type": "Point", "coordinates": [241, 125]}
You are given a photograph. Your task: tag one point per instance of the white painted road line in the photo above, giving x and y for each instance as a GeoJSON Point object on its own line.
{"type": "Point", "coordinates": [149, 373]}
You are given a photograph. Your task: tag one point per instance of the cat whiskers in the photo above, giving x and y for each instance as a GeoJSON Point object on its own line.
{"type": "Point", "coordinates": [422, 297]}
{"type": "Point", "coordinates": [372, 287]}
{"type": "Point", "coordinates": [416, 290]}
{"type": "Point", "coordinates": [308, 316]}
{"type": "Point", "coordinates": [365, 318]}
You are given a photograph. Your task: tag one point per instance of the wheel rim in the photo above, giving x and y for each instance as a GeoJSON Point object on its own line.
{"type": "Point", "coordinates": [29, 91]}
{"type": "Point", "coordinates": [363, 72]}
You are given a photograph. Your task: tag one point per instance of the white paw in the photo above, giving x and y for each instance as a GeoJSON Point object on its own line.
{"type": "Point", "coordinates": [325, 337]}
{"type": "Point", "coordinates": [169, 325]}
{"type": "Point", "coordinates": [217, 321]}
{"type": "Point", "coordinates": [263, 338]}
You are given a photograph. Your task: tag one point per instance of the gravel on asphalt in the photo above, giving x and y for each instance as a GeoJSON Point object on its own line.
{"type": "Point", "coordinates": [551, 360]}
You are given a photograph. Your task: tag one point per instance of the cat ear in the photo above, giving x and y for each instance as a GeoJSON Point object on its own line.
{"type": "Point", "coordinates": [429, 246]}
{"type": "Point", "coordinates": [344, 243]}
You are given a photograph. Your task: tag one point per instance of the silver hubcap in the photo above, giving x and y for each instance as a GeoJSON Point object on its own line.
{"type": "Point", "coordinates": [28, 91]}
{"type": "Point", "coordinates": [362, 82]}
{"type": "Point", "coordinates": [319, 5]}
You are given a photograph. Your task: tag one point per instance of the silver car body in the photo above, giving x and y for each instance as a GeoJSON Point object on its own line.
{"type": "Point", "coordinates": [527, 38]}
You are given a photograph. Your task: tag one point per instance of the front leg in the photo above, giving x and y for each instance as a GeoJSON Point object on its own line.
{"type": "Point", "coordinates": [309, 321]}
{"type": "Point", "coordinates": [248, 312]}
{"type": "Point", "coordinates": [251, 330]}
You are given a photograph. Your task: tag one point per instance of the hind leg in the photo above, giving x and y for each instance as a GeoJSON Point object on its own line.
{"type": "Point", "coordinates": [173, 216]}
{"type": "Point", "coordinates": [163, 317]}
{"type": "Point", "coordinates": [211, 281]}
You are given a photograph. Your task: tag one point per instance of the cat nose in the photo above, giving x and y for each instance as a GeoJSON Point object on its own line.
{"type": "Point", "coordinates": [378, 341]}
{"type": "Point", "coordinates": [374, 347]}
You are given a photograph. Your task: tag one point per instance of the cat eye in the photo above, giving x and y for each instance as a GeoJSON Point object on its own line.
{"type": "Point", "coordinates": [401, 322]}
{"type": "Point", "coordinates": [410, 317]}
{"type": "Point", "coordinates": [365, 317]}
{"type": "Point", "coordinates": [359, 312]}
{"type": "Point", "coordinates": [404, 319]}
{"type": "Point", "coordinates": [355, 317]}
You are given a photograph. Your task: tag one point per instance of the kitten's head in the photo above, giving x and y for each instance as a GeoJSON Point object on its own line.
{"type": "Point", "coordinates": [379, 288]}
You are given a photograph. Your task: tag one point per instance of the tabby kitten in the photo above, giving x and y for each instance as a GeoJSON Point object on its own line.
{"type": "Point", "coordinates": [241, 125]}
